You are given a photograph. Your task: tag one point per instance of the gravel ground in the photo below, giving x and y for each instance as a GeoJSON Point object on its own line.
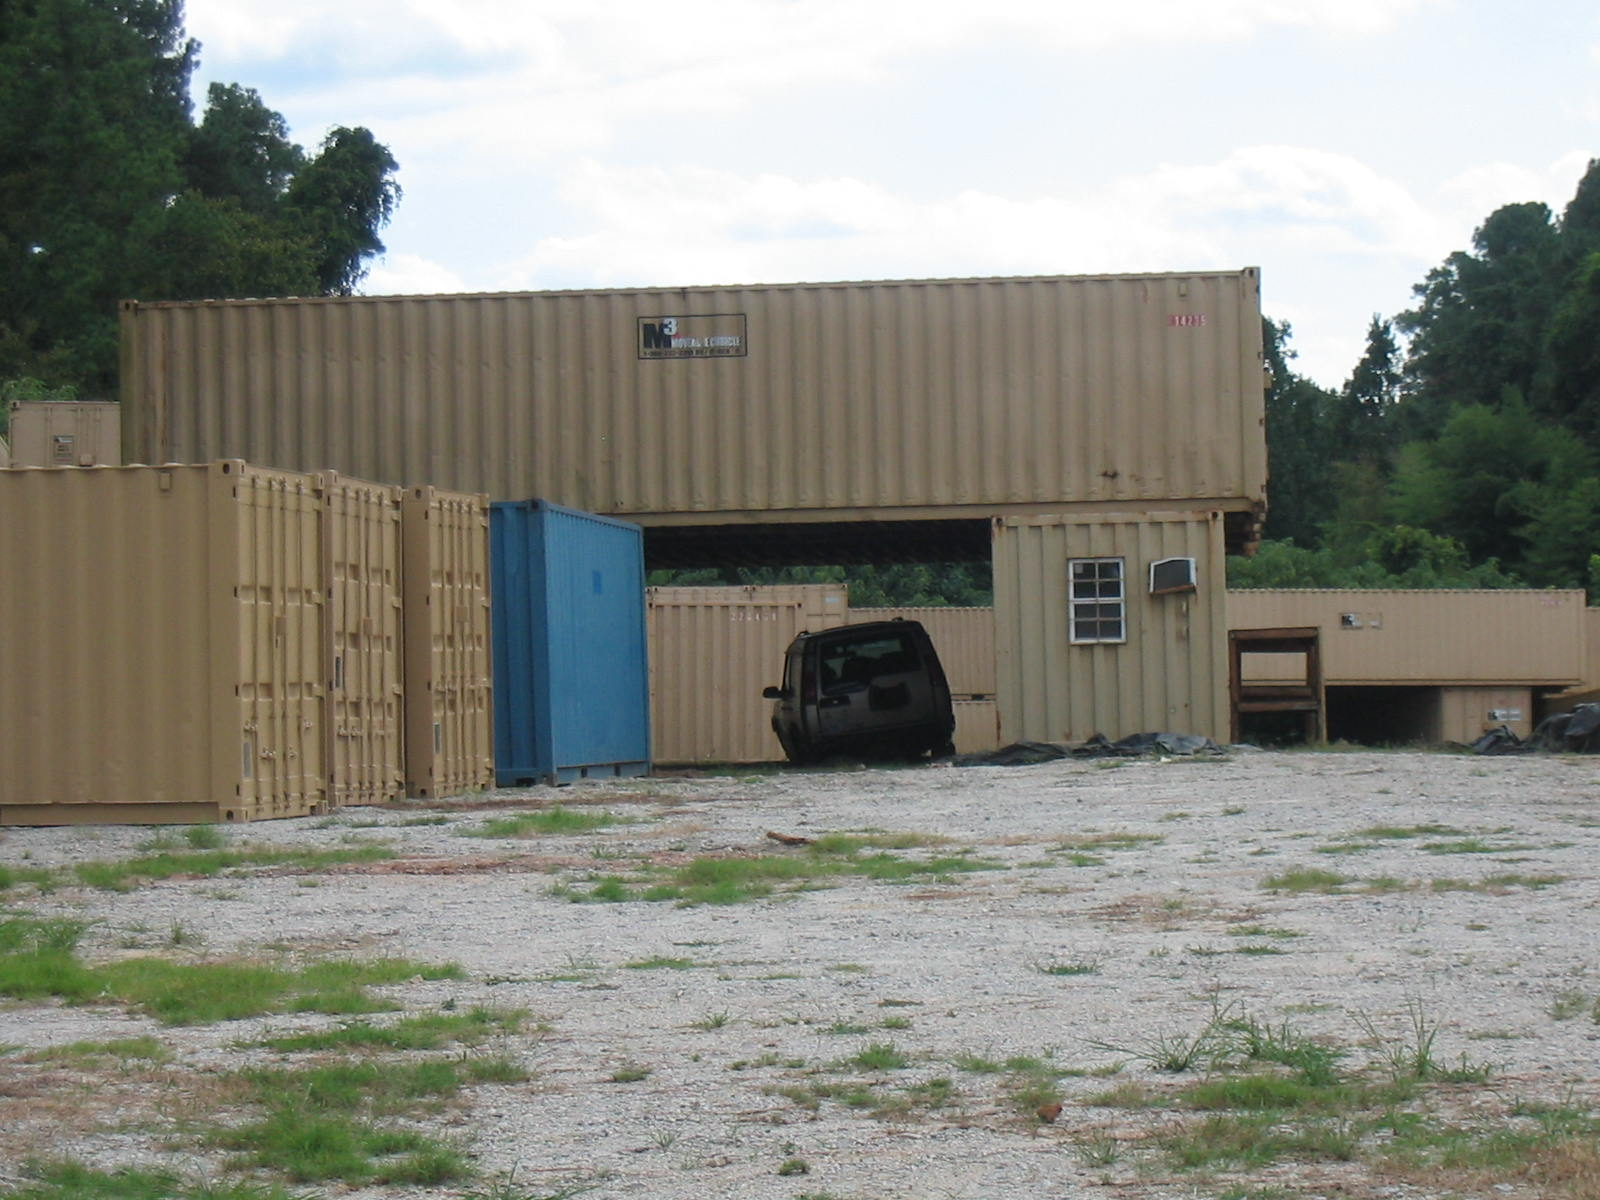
{"type": "Point", "coordinates": [1122, 907]}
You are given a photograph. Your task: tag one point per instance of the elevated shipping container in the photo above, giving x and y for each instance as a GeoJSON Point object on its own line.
{"type": "Point", "coordinates": [163, 645]}
{"type": "Point", "coordinates": [445, 585]}
{"type": "Point", "coordinates": [571, 680]}
{"type": "Point", "coordinates": [66, 433]}
{"type": "Point", "coordinates": [891, 400]}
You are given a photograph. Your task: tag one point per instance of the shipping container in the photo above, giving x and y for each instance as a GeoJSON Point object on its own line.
{"type": "Point", "coordinates": [1436, 637]}
{"type": "Point", "coordinates": [890, 400]}
{"type": "Point", "coordinates": [63, 433]}
{"type": "Point", "coordinates": [445, 587]}
{"type": "Point", "coordinates": [163, 639]}
{"type": "Point", "coordinates": [1110, 623]}
{"type": "Point", "coordinates": [977, 726]}
{"type": "Point", "coordinates": [1465, 713]}
{"type": "Point", "coordinates": [963, 636]}
{"type": "Point", "coordinates": [571, 681]}
{"type": "Point", "coordinates": [365, 726]}
{"type": "Point", "coordinates": [712, 651]}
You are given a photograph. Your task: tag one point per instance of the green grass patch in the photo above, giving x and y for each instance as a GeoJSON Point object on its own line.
{"type": "Point", "coordinates": [74, 1181]}
{"type": "Point", "coordinates": [85, 1054]}
{"type": "Point", "coordinates": [40, 877]}
{"type": "Point", "coordinates": [738, 879]}
{"type": "Point", "coordinates": [1305, 879]}
{"type": "Point", "coordinates": [38, 959]}
{"type": "Point", "coordinates": [321, 1123]}
{"type": "Point", "coordinates": [429, 1031]}
{"type": "Point", "coordinates": [124, 874]}
{"type": "Point", "coordinates": [554, 820]}
{"type": "Point", "coordinates": [880, 1056]}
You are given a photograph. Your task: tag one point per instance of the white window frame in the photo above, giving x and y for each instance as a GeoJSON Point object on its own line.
{"type": "Point", "coordinates": [1084, 615]}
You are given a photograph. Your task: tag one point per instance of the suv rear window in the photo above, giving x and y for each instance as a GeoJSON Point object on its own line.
{"type": "Point", "coordinates": [847, 661]}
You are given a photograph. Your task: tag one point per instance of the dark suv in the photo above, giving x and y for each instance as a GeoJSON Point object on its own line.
{"type": "Point", "coordinates": [875, 690]}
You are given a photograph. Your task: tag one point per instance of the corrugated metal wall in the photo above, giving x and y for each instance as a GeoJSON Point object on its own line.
{"type": "Point", "coordinates": [882, 397]}
{"type": "Point", "coordinates": [712, 650]}
{"type": "Point", "coordinates": [162, 656]}
{"type": "Point", "coordinates": [1172, 672]}
{"type": "Point", "coordinates": [1437, 636]}
{"type": "Point", "coordinates": [964, 638]}
{"type": "Point", "coordinates": [58, 433]}
{"type": "Point", "coordinates": [445, 589]}
{"type": "Point", "coordinates": [571, 683]}
{"type": "Point", "coordinates": [1466, 712]}
{"type": "Point", "coordinates": [361, 546]}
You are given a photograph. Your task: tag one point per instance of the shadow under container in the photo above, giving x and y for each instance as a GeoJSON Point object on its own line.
{"type": "Point", "coordinates": [445, 584]}
{"type": "Point", "coordinates": [163, 633]}
{"type": "Point", "coordinates": [571, 680]}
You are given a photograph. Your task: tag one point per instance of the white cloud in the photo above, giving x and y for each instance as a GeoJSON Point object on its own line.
{"type": "Point", "coordinates": [1471, 195]}
{"type": "Point", "coordinates": [566, 73]}
{"type": "Point", "coordinates": [403, 274]}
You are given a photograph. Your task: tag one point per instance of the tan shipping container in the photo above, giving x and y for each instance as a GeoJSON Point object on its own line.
{"type": "Point", "coordinates": [365, 720]}
{"type": "Point", "coordinates": [1170, 674]}
{"type": "Point", "coordinates": [163, 636]}
{"type": "Point", "coordinates": [977, 726]}
{"type": "Point", "coordinates": [1465, 713]}
{"type": "Point", "coordinates": [884, 399]}
{"type": "Point", "coordinates": [963, 636]}
{"type": "Point", "coordinates": [1442, 636]}
{"type": "Point", "coordinates": [62, 433]}
{"type": "Point", "coordinates": [712, 650]}
{"type": "Point", "coordinates": [449, 721]}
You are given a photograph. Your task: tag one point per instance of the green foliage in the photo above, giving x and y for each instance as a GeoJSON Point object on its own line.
{"type": "Point", "coordinates": [895, 585]}
{"type": "Point", "coordinates": [1299, 446]}
{"type": "Point", "coordinates": [1401, 556]}
{"type": "Point", "coordinates": [109, 191]}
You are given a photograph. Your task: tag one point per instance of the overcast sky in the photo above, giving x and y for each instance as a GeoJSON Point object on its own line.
{"type": "Point", "coordinates": [1342, 146]}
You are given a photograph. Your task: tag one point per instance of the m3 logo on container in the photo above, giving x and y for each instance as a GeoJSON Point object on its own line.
{"type": "Point", "coordinates": [714, 335]}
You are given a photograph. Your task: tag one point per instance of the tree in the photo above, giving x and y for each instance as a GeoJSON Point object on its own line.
{"type": "Point", "coordinates": [343, 197]}
{"type": "Point", "coordinates": [1480, 326]}
{"type": "Point", "coordinates": [1486, 478]}
{"type": "Point", "coordinates": [241, 150]}
{"type": "Point", "coordinates": [1298, 464]}
{"type": "Point", "coordinates": [1366, 404]}
{"type": "Point", "coordinates": [109, 192]}
{"type": "Point", "coordinates": [1573, 393]}
{"type": "Point", "coordinates": [93, 110]}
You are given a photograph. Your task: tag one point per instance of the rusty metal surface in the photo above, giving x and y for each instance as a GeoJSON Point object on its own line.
{"type": "Point", "coordinates": [893, 399]}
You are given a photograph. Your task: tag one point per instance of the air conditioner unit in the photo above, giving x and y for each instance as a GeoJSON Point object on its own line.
{"type": "Point", "coordinates": [1168, 575]}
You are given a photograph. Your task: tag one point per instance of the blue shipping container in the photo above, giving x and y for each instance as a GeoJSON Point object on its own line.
{"type": "Point", "coordinates": [571, 681]}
